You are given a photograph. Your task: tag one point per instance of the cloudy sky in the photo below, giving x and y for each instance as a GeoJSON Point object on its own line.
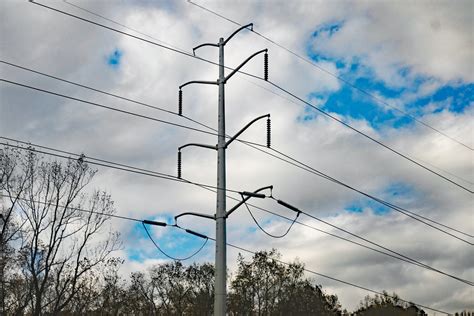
{"type": "Point", "coordinates": [414, 59]}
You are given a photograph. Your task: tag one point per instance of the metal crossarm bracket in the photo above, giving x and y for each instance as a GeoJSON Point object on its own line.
{"type": "Point", "coordinates": [202, 45]}
{"type": "Point", "coordinates": [198, 81]}
{"type": "Point", "coordinates": [237, 31]}
{"type": "Point", "coordinates": [198, 145]}
{"type": "Point", "coordinates": [243, 63]}
{"type": "Point", "coordinates": [244, 128]}
{"type": "Point", "coordinates": [247, 197]}
{"type": "Point", "coordinates": [213, 217]}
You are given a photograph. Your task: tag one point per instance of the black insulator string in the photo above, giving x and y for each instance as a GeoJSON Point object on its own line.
{"type": "Point", "coordinates": [179, 165]}
{"type": "Point", "coordinates": [269, 134]}
{"type": "Point", "coordinates": [265, 67]}
{"type": "Point", "coordinates": [180, 102]}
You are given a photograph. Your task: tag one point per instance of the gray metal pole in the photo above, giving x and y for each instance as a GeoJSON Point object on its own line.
{"type": "Point", "coordinates": [221, 266]}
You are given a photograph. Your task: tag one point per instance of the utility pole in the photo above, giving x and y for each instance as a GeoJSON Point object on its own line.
{"type": "Point", "coordinates": [221, 214]}
{"type": "Point", "coordinates": [221, 238]}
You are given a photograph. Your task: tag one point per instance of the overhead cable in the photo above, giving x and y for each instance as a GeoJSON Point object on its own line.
{"type": "Point", "coordinates": [251, 252]}
{"type": "Point", "coordinates": [123, 167]}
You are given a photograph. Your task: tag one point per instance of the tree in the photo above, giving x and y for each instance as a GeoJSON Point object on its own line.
{"type": "Point", "coordinates": [172, 289]}
{"type": "Point", "coordinates": [387, 305]}
{"type": "Point", "coordinates": [57, 243]}
{"type": "Point", "coordinates": [265, 286]}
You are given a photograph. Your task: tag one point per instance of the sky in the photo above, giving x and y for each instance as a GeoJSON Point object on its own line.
{"type": "Point", "coordinates": [412, 60]}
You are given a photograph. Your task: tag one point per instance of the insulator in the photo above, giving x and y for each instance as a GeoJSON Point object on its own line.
{"type": "Point", "coordinates": [269, 131]}
{"type": "Point", "coordinates": [180, 102]}
{"type": "Point", "coordinates": [265, 67]}
{"type": "Point", "coordinates": [179, 165]}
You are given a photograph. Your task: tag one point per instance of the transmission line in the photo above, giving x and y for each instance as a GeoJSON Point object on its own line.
{"type": "Point", "coordinates": [336, 279]}
{"type": "Point", "coordinates": [257, 77]}
{"type": "Point", "coordinates": [122, 167]}
{"type": "Point", "coordinates": [228, 244]}
{"type": "Point", "coordinates": [350, 84]}
{"type": "Point", "coordinates": [253, 145]}
{"type": "Point", "coordinates": [113, 165]}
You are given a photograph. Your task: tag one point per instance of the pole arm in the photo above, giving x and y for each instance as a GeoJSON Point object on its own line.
{"type": "Point", "coordinates": [198, 81]}
{"type": "Point", "coordinates": [237, 31]}
{"type": "Point", "coordinates": [193, 214]}
{"type": "Point", "coordinates": [243, 63]}
{"type": "Point", "coordinates": [198, 145]}
{"type": "Point", "coordinates": [246, 199]}
{"type": "Point", "coordinates": [243, 129]}
{"type": "Point", "coordinates": [202, 45]}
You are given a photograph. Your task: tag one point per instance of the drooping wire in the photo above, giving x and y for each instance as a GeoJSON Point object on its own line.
{"type": "Point", "coordinates": [262, 229]}
{"type": "Point", "coordinates": [396, 256]}
{"type": "Point", "coordinates": [350, 84]}
{"type": "Point", "coordinates": [123, 218]}
{"type": "Point", "coordinates": [169, 256]}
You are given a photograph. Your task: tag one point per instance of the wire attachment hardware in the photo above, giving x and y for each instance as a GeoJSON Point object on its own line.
{"type": "Point", "coordinates": [180, 102]}
{"type": "Point", "coordinates": [265, 67]}
{"type": "Point", "coordinates": [269, 132]}
{"type": "Point", "coordinates": [179, 164]}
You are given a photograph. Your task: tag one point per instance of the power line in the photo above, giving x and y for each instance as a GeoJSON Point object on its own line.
{"type": "Point", "coordinates": [105, 106]}
{"type": "Point", "coordinates": [122, 25]}
{"type": "Point", "coordinates": [370, 137]}
{"type": "Point", "coordinates": [75, 208]}
{"type": "Point", "coordinates": [125, 99]}
{"type": "Point", "coordinates": [394, 207]}
{"type": "Point", "coordinates": [257, 77]}
{"type": "Point", "coordinates": [236, 247]}
{"type": "Point", "coordinates": [253, 145]}
{"type": "Point", "coordinates": [471, 283]}
{"type": "Point", "coordinates": [376, 98]}
{"type": "Point", "coordinates": [122, 167]}
{"type": "Point", "coordinates": [336, 279]}
{"type": "Point", "coordinates": [210, 188]}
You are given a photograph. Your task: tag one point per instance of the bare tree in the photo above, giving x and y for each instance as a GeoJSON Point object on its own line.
{"type": "Point", "coordinates": [60, 242]}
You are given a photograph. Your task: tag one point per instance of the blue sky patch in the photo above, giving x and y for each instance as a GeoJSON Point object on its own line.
{"type": "Point", "coordinates": [115, 58]}
{"type": "Point", "coordinates": [454, 98]}
{"type": "Point", "coordinates": [353, 104]}
{"type": "Point", "coordinates": [328, 29]}
{"type": "Point", "coordinates": [393, 192]}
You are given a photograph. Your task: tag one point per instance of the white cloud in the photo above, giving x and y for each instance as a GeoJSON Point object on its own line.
{"type": "Point", "coordinates": [433, 39]}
